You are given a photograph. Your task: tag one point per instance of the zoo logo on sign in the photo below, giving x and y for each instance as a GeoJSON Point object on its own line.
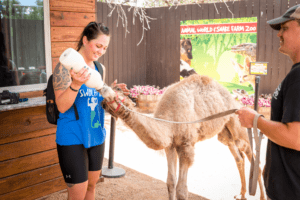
{"type": "Point", "coordinates": [247, 27]}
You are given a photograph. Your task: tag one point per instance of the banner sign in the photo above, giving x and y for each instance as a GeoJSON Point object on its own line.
{"type": "Point", "coordinates": [222, 49]}
{"type": "Point", "coordinates": [218, 28]}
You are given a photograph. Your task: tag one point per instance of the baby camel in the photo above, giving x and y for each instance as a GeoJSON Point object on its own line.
{"type": "Point", "coordinates": [191, 99]}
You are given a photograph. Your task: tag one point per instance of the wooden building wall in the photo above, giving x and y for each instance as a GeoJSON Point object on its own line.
{"type": "Point", "coordinates": [29, 167]}
{"type": "Point", "coordinates": [159, 63]}
{"type": "Point", "coordinates": [68, 19]}
{"type": "Point", "coordinates": [28, 158]}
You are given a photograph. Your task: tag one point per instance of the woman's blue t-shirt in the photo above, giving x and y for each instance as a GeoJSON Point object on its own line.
{"type": "Point", "coordinates": [89, 129]}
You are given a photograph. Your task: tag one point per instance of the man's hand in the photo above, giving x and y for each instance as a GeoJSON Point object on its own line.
{"type": "Point", "coordinates": [122, 86]}
{"type": "Point", "coordinates": [246, 116]}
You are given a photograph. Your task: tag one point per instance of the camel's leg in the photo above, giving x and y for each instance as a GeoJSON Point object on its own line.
{"type": "Point", "coordinates": [186, 155]}
{"type": "Point", "coordinates": [172, 166]}
{"type": "Point", "coordinates": [241, 140]}
{"type": "Point", "coordinates": [226, 138]}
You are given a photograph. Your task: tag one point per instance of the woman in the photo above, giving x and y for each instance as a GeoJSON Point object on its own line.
{"type": "Point", "coordinates": [80, 143]}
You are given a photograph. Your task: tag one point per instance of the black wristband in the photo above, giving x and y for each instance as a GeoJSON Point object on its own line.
{"type": "Point", "coordinates": [73, 89]}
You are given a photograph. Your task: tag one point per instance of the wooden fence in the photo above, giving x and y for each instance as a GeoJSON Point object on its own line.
{"type": "Point", "coordinates": [156, 60]}
{"type": "Point", "coordinates": [124, 60]}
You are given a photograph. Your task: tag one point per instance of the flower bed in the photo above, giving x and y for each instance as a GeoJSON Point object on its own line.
{"type": "Point", "coordinates": [145, 90]}
{"type": "Point", "coordinates": [147, 97]}
{"type": "Point", "coordinates": [264, 105]}
{"type": "Point", "coordinates": [262, 102]}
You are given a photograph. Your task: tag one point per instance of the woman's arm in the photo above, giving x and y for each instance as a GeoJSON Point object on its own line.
{"type": "Point", "coordinates": [62, 80]}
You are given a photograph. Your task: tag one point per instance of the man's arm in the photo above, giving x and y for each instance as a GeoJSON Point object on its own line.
{"type": "Point", "coordinates": [286, 135]}
{"type": "Point", "coordinates": [283, 134]}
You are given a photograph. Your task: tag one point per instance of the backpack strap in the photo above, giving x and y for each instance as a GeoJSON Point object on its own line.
{"type": "Point", "coordinates": [76, 112]}
{"type": "Point", "coordinates": [99, 67]}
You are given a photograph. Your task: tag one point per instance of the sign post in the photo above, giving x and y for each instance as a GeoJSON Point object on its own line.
{"type": "Point", "coordinates": [111, 171]}
{"type": "Point", "coordinates": [257, 69]}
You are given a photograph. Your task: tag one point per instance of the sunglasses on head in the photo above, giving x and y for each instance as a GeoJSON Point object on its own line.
{"type": "Point", "coordinates": [101, 25]}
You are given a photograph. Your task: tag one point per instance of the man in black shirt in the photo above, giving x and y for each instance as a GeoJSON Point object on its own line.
{"type": "Point", "coordinates": [282, 170]}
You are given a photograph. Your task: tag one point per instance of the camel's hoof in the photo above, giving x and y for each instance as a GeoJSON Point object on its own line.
{"type": "Point", "coordinates": [239, 197]}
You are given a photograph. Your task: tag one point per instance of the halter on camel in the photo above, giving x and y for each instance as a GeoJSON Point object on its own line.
{"type": "Point", "coordinates": [117, 101]}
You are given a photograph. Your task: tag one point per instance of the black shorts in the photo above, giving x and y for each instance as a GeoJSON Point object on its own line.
{"type": "Point", "coordinates": [75, 161]}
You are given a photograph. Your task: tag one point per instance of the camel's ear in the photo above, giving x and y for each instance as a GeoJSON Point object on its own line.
{"type": "Point", "coordinates": [241, 67]}
{"type": "Point", "coordinates": [181, 41]}
{"type": "Point", "coordinates": [247, 62]}
{"type": "Point", "coordinates": [188, 41]}
{"type": "Point", "coordinates": [114, 84]}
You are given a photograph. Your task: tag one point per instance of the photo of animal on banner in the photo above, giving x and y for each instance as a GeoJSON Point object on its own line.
{"type": "Point", "coordinates": [222, 49]}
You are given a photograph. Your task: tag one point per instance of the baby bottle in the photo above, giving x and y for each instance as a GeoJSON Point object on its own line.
{"type": "Point", "coordinates": [71, 58]}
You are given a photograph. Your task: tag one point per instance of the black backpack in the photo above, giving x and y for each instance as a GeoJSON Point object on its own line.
{"type": "Point", "coordinates": [51, 107]}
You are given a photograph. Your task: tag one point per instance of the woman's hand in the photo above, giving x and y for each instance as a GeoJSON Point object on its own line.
{"type": "Point", "coordinates": [79, 78]}
{"type": "Point", "coordinates": [246, 116]}
{"type": "Point", "coordinates": [122, 86]}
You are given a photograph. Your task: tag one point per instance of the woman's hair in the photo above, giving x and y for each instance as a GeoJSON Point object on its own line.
{"type": "Point", "coordinates": [92, 31]}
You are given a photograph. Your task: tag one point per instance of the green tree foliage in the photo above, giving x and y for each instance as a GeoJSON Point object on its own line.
{"type": "Point", "coordinates": [8, 10]}
{"type": "Point", "coordinates": [12, 9]}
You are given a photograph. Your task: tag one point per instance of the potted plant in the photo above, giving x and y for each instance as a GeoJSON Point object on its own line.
{"type": "Point", "coordinates": [146, 97]}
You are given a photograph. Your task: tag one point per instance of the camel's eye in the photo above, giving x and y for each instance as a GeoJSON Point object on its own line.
{"type": "Point", "coordinates": [103, 105]}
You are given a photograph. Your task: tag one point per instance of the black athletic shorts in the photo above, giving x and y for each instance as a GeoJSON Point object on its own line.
{"type": "Point", "coordinates": [75, 161]}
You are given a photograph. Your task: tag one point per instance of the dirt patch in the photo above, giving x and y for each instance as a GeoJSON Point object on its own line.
{"type": "Point", "coordinates": [133, 186]}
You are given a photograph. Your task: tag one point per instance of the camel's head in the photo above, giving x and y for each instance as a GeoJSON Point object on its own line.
{"type": "Point", "coordinates": [113, 97]}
